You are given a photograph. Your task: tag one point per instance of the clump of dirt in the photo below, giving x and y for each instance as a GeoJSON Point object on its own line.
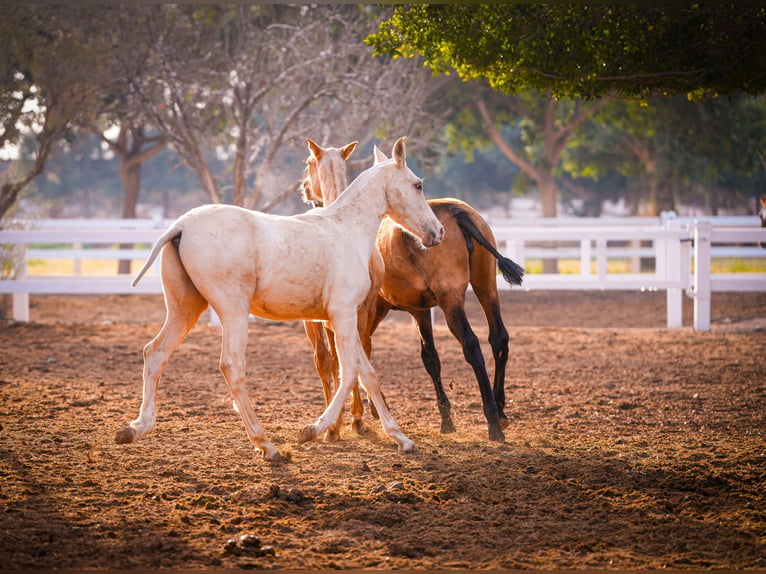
{"type": "Point", "coordinates": [629, 446]}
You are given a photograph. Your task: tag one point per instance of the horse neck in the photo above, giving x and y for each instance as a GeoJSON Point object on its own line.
{"type": "Point", "coordinates": [333, 183]}
{"type": "Point", "coordinates": [361, 206]}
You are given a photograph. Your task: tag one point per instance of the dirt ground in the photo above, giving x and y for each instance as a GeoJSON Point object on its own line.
{"type": "Point", "coordinates": [629, 446]}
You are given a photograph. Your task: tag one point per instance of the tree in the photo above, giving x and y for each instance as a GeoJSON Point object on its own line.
{"type": "Point", "coordinates": [40, 100]}
{"type": "Point", "coordinates": [121, 123]}
{"type": "Point", "coordinates": [546, 126]}
{"type": "Point", "coordinates": [587, 51]}
{"type": "Point", "coordinates": [248, 80]}
{"type": "Point", "coordinates": [676, 151]}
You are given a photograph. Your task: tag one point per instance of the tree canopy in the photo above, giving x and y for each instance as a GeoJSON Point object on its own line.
{"type": "Point", "coordinates": [587, 51]}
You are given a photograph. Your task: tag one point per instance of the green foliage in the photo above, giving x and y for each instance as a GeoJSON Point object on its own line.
{"type": "Point", "coordinates": [703, 152]}
{"type": "Point", "coordinates": [587, 51]}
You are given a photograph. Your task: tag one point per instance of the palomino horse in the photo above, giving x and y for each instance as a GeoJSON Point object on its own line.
{"type": "Point", "coordinates": [332, 176]}
{"type": "Point", "coordinates": [415, 280]}
{"type": "Point", "coordinates": [313, 266]}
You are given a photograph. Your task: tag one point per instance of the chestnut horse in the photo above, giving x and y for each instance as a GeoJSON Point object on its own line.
{"type": "Point", "coordinates": [312, 266]}
{"type": "Point", "coordinates": [415, 280]}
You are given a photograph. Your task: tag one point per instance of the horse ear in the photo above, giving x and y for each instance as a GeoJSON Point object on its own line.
{"type": "Point", "coordinates": [399, 154]}
{"type": "Point", "coordinates": [347, 150]}
{"type": "Point", "coordinates": [378, 155]}
{"type": "Point", "coordinates": [314, 148]}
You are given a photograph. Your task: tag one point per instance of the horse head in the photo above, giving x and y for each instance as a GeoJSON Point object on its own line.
{"type": "Point", "coordinates": [405, 201]}
{"type": "Point", "coordinates": [325, 177]}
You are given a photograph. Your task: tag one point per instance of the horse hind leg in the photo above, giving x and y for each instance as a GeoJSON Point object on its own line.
{"type": "Point", "coordinates": [431, 362]}
{"type": "Point", "coordinates": [461, 329]}
{"type": "Point", "coordinates": [498, 340]}
{"type": "Point", "coordinates": [484, 282]}
{"type": "Point", "coordinates": [184, 305]}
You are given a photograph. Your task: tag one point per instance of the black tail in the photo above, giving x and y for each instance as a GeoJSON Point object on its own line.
{"type": "Point", "coordinates": [512, 271]}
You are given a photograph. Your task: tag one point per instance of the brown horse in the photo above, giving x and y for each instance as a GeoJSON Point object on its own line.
{"type": "Point", "coordinates": [415, 280]}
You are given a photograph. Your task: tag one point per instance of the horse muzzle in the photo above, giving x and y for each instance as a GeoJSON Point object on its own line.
{"type": "Point", "coordinates": [434, 238]}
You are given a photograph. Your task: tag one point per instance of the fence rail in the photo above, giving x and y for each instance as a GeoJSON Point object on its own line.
{"type": "Point", "coordinates": [681, 249]}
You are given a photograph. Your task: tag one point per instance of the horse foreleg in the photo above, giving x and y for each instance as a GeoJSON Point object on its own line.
{"type": "Point", "coordinates": [324, 363]}
{"type": "Point", "coordinates": [353, 363]}
{"type": "Point", "coordinates": [431, 362]}
{"type": "Point", "coordinates": [461, 329]}
{"type": "Point", "coordinates": [381, 309]}
{"type": "Point", "coordinates": [232, 364]}
{"type": "Point", "coordinates": [372, 385]}
{"type": "Point", "coordinates": [357, 407]}
{"type": "Point", "coordinates": [348, 367]}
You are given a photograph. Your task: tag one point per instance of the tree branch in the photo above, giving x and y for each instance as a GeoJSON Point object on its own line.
{"type": "Point", "coordinates": [500, 142]}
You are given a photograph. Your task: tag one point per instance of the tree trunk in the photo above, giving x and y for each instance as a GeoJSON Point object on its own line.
{"type": "Point", "coordinates": [548, 200]}
{"type": "Point", "coordinates": [129, 149]}
{"type": "Point", "coordinates": [130, 174]}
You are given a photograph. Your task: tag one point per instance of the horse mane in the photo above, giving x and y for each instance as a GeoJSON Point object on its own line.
{"type": "Point", "coordinates": [305, 184]}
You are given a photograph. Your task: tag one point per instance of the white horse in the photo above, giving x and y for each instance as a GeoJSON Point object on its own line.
{"type": "Point", "coordinates": [276, 267]}
{"type": "Point", "coordinates": [326, 171]}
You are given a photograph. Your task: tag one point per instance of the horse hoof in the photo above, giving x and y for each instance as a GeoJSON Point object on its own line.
{"type": "Point", "coordinates": [447, 427]}
{"type": "Point", "coordinates": [358, 427]}
{"type": "Point", "coordinates": [125, 436]}
{"type": "Point", "coordinates": [272, 456]}
{"type": "Point", "coordinates": [504, 422]}
{"type": "Point", "coordinates": [308, 433]}
{"type": "Point", "coordinates": [496, 435]}
{"type": "Point", "coordinates": [408, 447]}
{"type": "Point", "coordinates": [332, 435]}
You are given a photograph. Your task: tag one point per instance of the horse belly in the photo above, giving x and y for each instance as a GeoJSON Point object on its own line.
{"type": "Point", "coordinates": [407, 292]}
{"type": "Point", "coordinates": [287, 303]}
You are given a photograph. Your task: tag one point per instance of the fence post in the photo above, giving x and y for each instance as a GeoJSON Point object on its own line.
{"type": "Point", "coordinates": [515, 250]}
{"type": "Point", "coordinates": [77, 261]}
{"type": "Point", "coordinates": [702, 233]}
{"type": "Point", "coordinates": [601, 260]}
{"type": "Point", "coordinates": [672, 275]}
{"type": "Point", "coordinates": [20, 301]}
{"type": "Point", "coordinates": [585, 256]}
{"type": "Point", "coordinates": [21, 307]}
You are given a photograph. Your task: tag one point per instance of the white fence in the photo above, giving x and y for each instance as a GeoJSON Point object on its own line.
{"type": "Point", "coordinates": [682, 250]}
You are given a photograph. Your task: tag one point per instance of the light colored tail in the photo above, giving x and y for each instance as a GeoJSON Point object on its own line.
{"type": "Point", "coordinates": [173, 232]}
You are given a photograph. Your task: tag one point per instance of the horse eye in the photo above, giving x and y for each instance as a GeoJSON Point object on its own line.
{"type": "Point", "coordinates": [419, 186]}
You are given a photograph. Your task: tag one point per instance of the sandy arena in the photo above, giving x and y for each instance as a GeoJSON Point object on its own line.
{"type": "Point", "coordinates": [629, 447]}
